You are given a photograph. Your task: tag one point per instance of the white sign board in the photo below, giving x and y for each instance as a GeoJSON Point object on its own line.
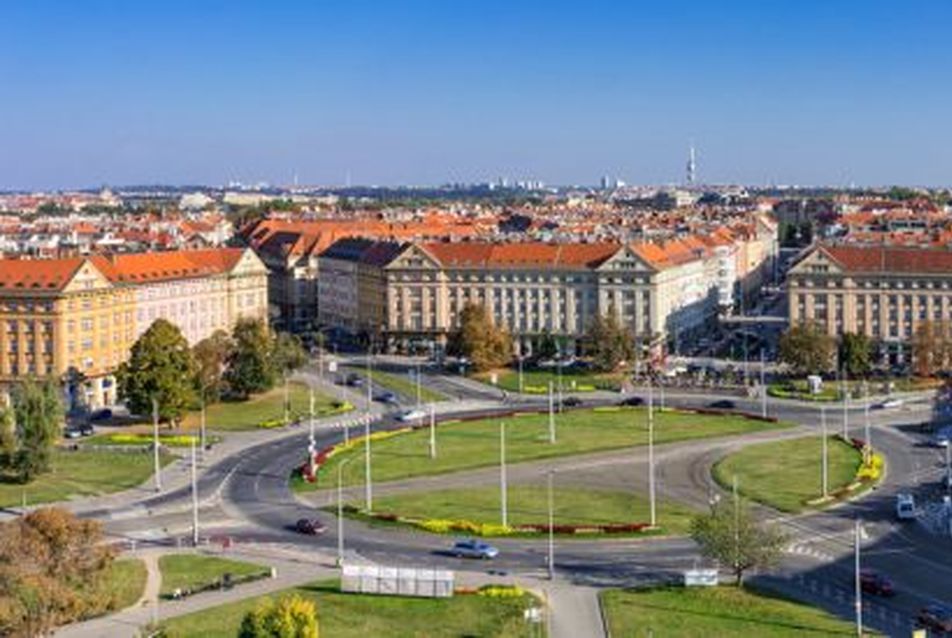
{"type": "Point", "coordinates": [816, 383]}
{"type": "Point", "coordinates": [397, 581]}
{"type": "Point", "coordinates": [700, 578]}
{"type": "Point", "coordinates": [332, 366]}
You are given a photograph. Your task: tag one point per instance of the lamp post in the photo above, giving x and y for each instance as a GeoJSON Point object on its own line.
{"type": "Point", "coordinates": [857, 581]}
{"type": "Point", "coordinates": [825, 472]}
{"type": "Point", "coordinates": [194, 497]}
{"type": "Point", "coordinates": [651, 472]}
{"type": "Point", "coordinates": [157, 465]}
{"type": "Point", "coordinates": [551, 507]}
{"type": "Point", "coordinates": [551, 415]}
{"type": "Point", "coordinates": [432, 431]}
{"type": "Point", "coordinates": [503, 490]}
{"type": "Point", "coordinates": [340, 511]}
{"type": "Point", "coordinates": [368, 481]}
{"type": "Point", "coordinates": [763, 385]}
{"type": "Point", "coordinates": [521, 379]}
{"type": "Point", "coordinates": [846, 407]}
{"type": "Point", "coordinates": [202, 437]}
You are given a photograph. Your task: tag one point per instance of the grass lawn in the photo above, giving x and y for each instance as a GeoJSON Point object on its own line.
{"type": "Point", "coordinates": [714, 611]}
{"type": "Point", "coordinates": [474, 444]}
{"type": "Point", "coordinates": [527, 505]}
{"type": "Point", "coordinates": [405, 386]}
{"type": "Point", "coordinates": [82, 473]}
{"type": "Point", "coordinates": [786, 474]}
{"type": "Point", "coordinates": [125, 582]}
{"type": "Point", "coordinates": [261, 408]}
{"type": "Point", "coordinates": [537, 381]}
{"type": "Point", "coordinates": [194, 571]}
{"type": "Point", "coordinates": [361, 616]}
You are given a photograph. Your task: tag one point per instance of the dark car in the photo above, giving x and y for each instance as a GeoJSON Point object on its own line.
{"type": "Point", "coordinates": [101, 415]}
{"type": "Point", "coordinates": [722, 404]}
{"type": "Point", "coordinates": [571, 402]}
{"type": "Point", "coordinates": [935, 616]}
{"type": "Point", "coordinates": [354, 380]}
{"type": "Point", "coordinates": [310, 526]}
{"type": "Point", "coordinates": [387, 397]}
{"type": "Point", "coordinates": [632, 401]}
{"type": "Point", "coordinates": [873, 582]}
{"type": "Point", "coordinates": [86, 429]}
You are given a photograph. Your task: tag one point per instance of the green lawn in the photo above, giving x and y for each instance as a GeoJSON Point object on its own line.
{"type": "Point", "coordinates": [362, 616]}
{"type": "Point", "coordinates": [786, 474]}
{"type": "Point", "coordinates": [405, 386]}
{"type": "Point", "coordinates": [701, 612]}
{"type": "Point", "coordinates": [82, 473]}
{"type": "Point", "coordinates": [537, 381]}
{"type": "Point", "coordinates": [261, 408]}
{"type": "Point", "coordinates": [125, 582]}
{"type": "Point", "coordinates": [194, 571]}
{"type": "Point", "coordinates": [527, 505]}
{"type": "Point", "coordinates": [474, 444]}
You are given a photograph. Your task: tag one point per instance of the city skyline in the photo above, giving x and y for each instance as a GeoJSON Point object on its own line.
{"type": "Point", "coordinates": [803, 94]}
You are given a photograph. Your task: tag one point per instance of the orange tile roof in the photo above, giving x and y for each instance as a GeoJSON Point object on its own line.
{"type": "Point", "coordinates": [522, 255]}
{"type": "Point", "coordinates": [890, 259]}
{"type": "Point", "coordinates": [48, 274]}
{"type": "Point", "coordinates": [161, 266]}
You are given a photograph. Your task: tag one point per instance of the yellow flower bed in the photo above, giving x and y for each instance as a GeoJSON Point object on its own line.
{"type": "Point", "coordinates": [871, 470]}
{"type": "Point", "coordinates": [173, 440]}
{"type": "Point", "coordinates": [501, 591]}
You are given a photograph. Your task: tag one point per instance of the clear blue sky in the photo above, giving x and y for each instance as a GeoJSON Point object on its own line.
{"type": "Point", "coordinates": [802, 91]}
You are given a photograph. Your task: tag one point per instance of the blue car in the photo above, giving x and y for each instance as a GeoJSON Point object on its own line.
{"type": "Point", "coordinates": [474, 549]}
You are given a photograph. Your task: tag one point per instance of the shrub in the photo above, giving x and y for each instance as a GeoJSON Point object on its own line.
{"type": "Point", "coordinates": [501, 591]}
{"type": "Point", "coordinates": [271, 423]}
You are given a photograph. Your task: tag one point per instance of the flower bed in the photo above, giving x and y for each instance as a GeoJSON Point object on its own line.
{"type": "Point", "coordinates": [322, 455]}
{"type": "Point", "coordinates": [869, 473]}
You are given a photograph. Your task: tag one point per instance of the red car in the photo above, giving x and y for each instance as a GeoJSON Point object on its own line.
{"type": "Point", "coordinates": [873, 582]}
{"type": "Point", "coordinates": [936, 616]}
{"type": "Point", "coordinates": [310, 526]}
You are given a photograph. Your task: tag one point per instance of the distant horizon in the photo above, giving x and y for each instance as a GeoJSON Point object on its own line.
{"type": "Point", "coordinates": [810, 92]}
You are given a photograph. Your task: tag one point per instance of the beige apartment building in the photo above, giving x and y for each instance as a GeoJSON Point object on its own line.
{"type": "Point", "coordinates": [883, 292]}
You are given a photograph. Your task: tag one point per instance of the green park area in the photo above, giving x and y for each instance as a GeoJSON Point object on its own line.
{"type": "Point", "coordinates": [473, 444]}
{"type": "Point", "coordinates": [714, 611]}
{"type": "Point", "coordinates": [527, 505]}
{"type": "Point", "coordinates": [81, 473]}
{"type": "Point", "coordinates": [124, 583]}
{"type": "Point", "coordinates": [536, 381]}
{"type": "Point", "coordinates": [787, 474]}
{"type": "Point", "coordinates": [344, 615]}
{"type": "Point", "coordinates": [264, 410]}
{"type": "Point", "coordinates": [405, 386]}
{"type": "Point", "coordinates": [195, 572]}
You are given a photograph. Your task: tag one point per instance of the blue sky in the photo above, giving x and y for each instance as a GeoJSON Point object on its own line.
{"type": "Point", "coordinates": [797, 92]}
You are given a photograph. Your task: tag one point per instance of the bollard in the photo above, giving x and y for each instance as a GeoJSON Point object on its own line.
{"type": "Point", "coordinates": [274, 572]}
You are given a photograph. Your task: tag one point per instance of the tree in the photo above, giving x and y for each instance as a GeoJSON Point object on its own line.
{"type": "Point", "coordinates": [807, 348]}
{"type": "Point", "coordinates": [52, 566]}
{"type": "Point", "coordinates": [287, 353]}
{"type": "Point", "coordinates": [609, 343]}
{"type": "Point", "coordinates": [210, 356]}
{"type": "Point", "coordinates": [931, 347]}
{"type": "Point", "coordinates": [38, 417]}
{"type": "Point", "coordinates": [250, 365]}
{"type": "Point", "coordinates": [160, 367]}
{"type": "Point", "coordinates": [731, 535]}
{"type": "Point", "coordinates": [548, 346]}
{"type": "Point", "coordinates": [855, 354]}
{"type": "Point", "coordinates": [478, 339]}
{"type": "Point", "coordinates": [290, 617]}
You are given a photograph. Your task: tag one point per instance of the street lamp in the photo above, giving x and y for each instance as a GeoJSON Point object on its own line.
{"type": "Point", "coordinates": [825, 473]}
{"type": "Point", "coordinates": [157, 465]}
{"type": "Point", "coordinates": [340, 511]}
{"type": "Point", "coordinates": [551, 415]}
{"type": "Point", "coordinates": [651, 470]}
{"type": "Point", "coordinates": [503, 491]}
{"type": "Point", "coordinates": [551, 507]}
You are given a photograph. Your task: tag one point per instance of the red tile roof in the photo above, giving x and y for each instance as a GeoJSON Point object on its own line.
{"type": "Point", "coordinates": [890, 259]}
{"type": "Point", "coordinates": [27, 274]}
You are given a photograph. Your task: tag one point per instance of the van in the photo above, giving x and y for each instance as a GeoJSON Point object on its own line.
{"type": "Point", "coordinates": [905, 507]}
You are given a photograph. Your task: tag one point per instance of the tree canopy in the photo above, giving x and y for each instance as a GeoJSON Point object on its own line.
{"type": "Point", "coordinates": [932, 347]}
{"type": "Point", "coordinates": [211, 357]}
{"type": "Point", "coordinates": [160, 366]}
{"type": "Point", "coordinates": [250, 365]}
{"type": "Point", "coordinates": [31, 429]}
{"type": "Point", "coordinates": [479, 339]}
{"type": "Point", "coordinates": [855, 353]}
{"type": "Point", "coordinates": [609, 343]}
{"type": "Point", "coordinates": [807, 348]}
{"type": "Point", "coordinates": [289, 617]}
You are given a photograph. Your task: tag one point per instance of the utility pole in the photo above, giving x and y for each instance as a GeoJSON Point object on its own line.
{"type": "Point", "coordinates": [368, 484]}
{"type": "Point", "coordinates": [432, 431]}
{"type": "Point", "coordinates": [651, 472]}
{"type": "Point", "coordinates": [736, 522]}
{"type": "Point", "coordinates": [203, 439]}
{"type": "Point", "coordinates": [419, 390]}
{"type": "Point", "coordinates": [503, 490]}
{"type": "Point", "coordinates": [311, 442]}
{"type": "Point", "coordinates": [194, 497]}
{"type": "Point", "coordinates": [551, 415]}
{"type": "Point", "coordinates": [867, 432]}
{"type": "Point", "coordinates": [559, 370]}
{"type": "Point", "coordinates": [340, 512]}
{"type": "Point", "coordinates": [521, 382]}
{"type": "Point", "coordinates": [825, 472]}
{"type": "Point", "coordinates": [763, 385]}
{"type": "Point", "coordinates": [551, 504]}
{"type": "Point", "coordinates": [858, 582]}
{"type": "Point", "coordinates": [157, 465]}
{"type": "Point", "coordinates": [846, 407]}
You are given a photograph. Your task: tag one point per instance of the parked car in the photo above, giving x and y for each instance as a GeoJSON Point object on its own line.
{"type": "Point", "coordinates": [942, 437]}
{"type": "Point", "coordinates": [387, 397]}
{"type": "Point", "coordinates": [72, 432]}
{"type": "Point", "coordinates": [722, 404]}
{"type": "Point", "coordinates": [354, 380]}
{"type": "Point", "coordinates": [888, 403]}
{"type": "Point", "coordinates": [86, 429]}
{"type": "Point", "coordinates": [935, 616]}
{"type": "Point", "coordinates": [410, 415]}
{"type": "Point", "coordinates": [876, 583]}
{"type": "Point", "coordinates": [905, 507]}
{"type": "Point", "coordinates": [474, 548]}
{"type": "Point", "coordinates": [571, 402]}
{"type": "Point", "coordinates": [101, 415]}
{"type": "Point", "coordinates": [310, 526]}
{"type": "Point", "coordinates": [632, 401]}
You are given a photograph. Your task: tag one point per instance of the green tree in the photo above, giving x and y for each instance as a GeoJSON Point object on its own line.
{"type": "Point", "coordinates": [290, 617]}
{"type": "Point", "coordinates": [287, 353]}
{"type": "Point", "coordinates": [479, 339]}
{"type": "Point", "coordinates": [855, 354]}
{"type": "Point", "coordinates": [160, 366]}
{"type": "Point", "coordinates": [548, 346]}
{"type": "Point", "coordinates": [807, 348]}
{"type": "Point", "coordinates": [38, 415]}
{"type": "Point", "coordinates": [8, 438]}
{"type": "Point", "coordinates": [211, 356]}
{"type": "Point", "coordinates": [52, 566]}
{"type": "Point", "coordinates": [609, 343]}
{"type": "Point", "coordinates": [250, 364]}
{"type": "Point", "coordinates": [732, 536]}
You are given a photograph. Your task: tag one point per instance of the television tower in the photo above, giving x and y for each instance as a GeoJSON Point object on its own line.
{"type": "Point", "coordinates": [691, 166]}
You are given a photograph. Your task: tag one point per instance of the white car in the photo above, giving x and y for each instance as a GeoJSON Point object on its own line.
{"type": "Point", "coordinates": [905, 507]}
{"type": "Point", "coordinates": [410, 415]}
{"type": "Point", "coordinates": [890, 403]}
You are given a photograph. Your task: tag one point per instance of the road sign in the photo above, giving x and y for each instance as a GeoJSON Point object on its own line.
{"type": "Point", "coordinates": [332, 366]}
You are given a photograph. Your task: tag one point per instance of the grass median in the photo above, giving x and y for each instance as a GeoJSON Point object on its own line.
{"type": "Point", "coordinates": [197, 571]}
{"type": "Point", "coordinates": [361, 615]}
{"type": "Point", "coordinates": [536, 381]}
{"type": "Point", "coordinates": [714, 611]}
{"type": "Point", "coordinates": [787, 474]}
{"type": "Point", "coordinates": [527, 505]}
{"type": "Point", "coordinates": [405, 386]}
{"type": "Point", "coordinates": [474, 444]}
{"type": "Point", "coordinates": [82, 473]}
